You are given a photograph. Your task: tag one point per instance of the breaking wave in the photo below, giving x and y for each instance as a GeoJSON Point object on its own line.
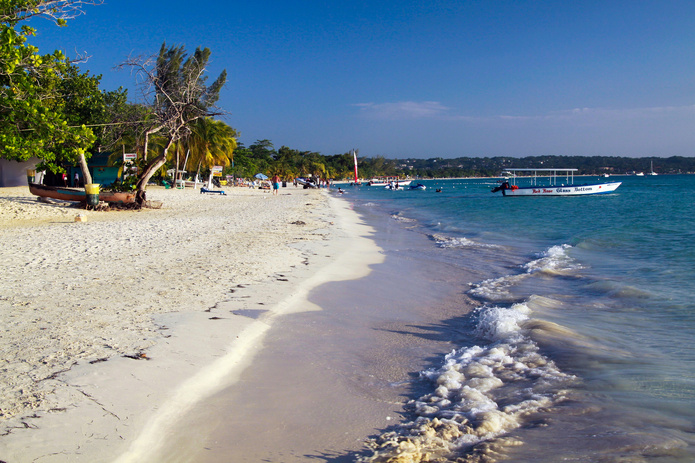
{"type": "Point", "coordinates": [458, 242]}
{"type": "Point", "coordinates": [401, 218]}
{"type": "Point", "coordinates": [553, 261]}
{"type": "Point", "coordinates": [479, 395]}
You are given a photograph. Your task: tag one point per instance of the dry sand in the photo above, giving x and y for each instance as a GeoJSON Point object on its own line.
{"type": "Point", "coordinates": [113, 328]}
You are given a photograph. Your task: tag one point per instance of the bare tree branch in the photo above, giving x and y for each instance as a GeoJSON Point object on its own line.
{"type": "Point", "coordinates": [172, 84]}
{"type": "Point", "coordinates": [58, 11]}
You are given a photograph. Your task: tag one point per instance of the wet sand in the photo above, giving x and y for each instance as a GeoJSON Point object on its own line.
{"type": "Point", "coordinates": [300, 337]}
{"type": "Point", "coordinates": [328, 379]}
{"type": "Point", "coordinates": [113, 328]}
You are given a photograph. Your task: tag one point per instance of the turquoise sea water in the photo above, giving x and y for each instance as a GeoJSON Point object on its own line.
{"type": "Point", "coordinates": [582, 342]}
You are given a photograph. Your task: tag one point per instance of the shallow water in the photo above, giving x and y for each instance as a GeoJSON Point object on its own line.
{"type": "Point", "coordinates": [327, 379]}
{"type": "Point", "coordinates": [580, 346]}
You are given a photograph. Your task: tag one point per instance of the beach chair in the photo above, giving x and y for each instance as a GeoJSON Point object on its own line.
{"type": "Point", "coordinates": [205, 190]}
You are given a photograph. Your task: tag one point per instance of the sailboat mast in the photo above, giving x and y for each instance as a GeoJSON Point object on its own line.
{"type": "Point", "coordinates": [354, 155]}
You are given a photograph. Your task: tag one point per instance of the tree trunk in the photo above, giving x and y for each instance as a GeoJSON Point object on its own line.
{"type": "Point", "coordinates": [86, 176]}
{"type": "Point", "coordinates": [156, 163]}
{"type": "Point", "coordinates": [185, 163]}
{"type": "Point", "coordinates": [176, 168]}
{"type": "Point", "coordinates": [197, 174]}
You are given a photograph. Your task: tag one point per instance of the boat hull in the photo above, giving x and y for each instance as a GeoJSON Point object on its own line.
{"type": "Point", "coordinates": [77, 195]}
{"type": "Point", "coordinates": [381, 183]}
{"type": "Point", "coordinates": [569, 190]}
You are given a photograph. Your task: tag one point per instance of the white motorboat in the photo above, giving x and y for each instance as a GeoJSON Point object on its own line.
{"type": "Point", "coordinates": [551, 186]}
{"type": "Point", "coordinates": [386, 181]}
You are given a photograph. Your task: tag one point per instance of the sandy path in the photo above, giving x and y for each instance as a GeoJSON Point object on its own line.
{"type": "Point", "coordinates": [77, 293]}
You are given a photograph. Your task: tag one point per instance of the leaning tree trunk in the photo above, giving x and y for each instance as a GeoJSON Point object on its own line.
{"type": "Point", "coordinates": [156, 163]}
{"type": "Point", "coordinates": [86, 176]}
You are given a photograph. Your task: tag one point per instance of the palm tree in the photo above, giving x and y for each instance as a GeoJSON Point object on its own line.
{"type": "Point", "coordinates": [211, 143]}
{"type": "Point", "coordinates": [317, 169]}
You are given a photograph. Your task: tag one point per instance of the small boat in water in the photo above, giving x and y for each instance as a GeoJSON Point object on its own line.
{"type": "Point", "coordinates": [78, 195]}
{"type": "Point", "coordinates": [419, 186]}
{"type": "Point", "coordinates": [552, 188]}
{"type": "Point", "coordinates": [386, 181]}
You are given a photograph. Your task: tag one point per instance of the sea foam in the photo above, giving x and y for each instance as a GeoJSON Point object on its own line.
{"type": "Point", "coordinates": [553, 261]}
{"type": "Point", "coordinates": [458, 242]}
{"type": "Point", "coordinates": [479, 394]}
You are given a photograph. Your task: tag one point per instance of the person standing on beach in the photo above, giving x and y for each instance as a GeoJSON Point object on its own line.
{"type": "Point", "coordinates": [276, 184]}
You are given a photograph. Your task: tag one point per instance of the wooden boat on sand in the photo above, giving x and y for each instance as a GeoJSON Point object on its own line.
{"type": "Point", "coordinates": [78, 195]}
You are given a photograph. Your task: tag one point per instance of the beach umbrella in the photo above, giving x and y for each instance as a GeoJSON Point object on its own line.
{"type": "Point", "coordinates": [261, 177]}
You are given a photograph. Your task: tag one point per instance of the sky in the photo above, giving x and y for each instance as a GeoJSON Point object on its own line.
{"type": "Point", "coordinates": [438, 78]}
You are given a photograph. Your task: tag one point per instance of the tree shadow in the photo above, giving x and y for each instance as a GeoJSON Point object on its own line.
{"type": "Point", "coordinates": [33, 200]}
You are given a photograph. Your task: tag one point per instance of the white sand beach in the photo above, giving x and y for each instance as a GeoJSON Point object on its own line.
{"type": "Point", "coordinates": [115, 327]}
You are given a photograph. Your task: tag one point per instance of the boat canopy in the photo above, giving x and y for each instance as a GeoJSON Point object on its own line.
{"type": "Point", "coordinates": [553, 173]}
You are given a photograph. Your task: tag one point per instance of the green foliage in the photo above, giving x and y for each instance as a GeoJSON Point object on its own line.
{"type": "Point", "coordinates": [178, 98]}
{"type": "Point", "coordinates": [260, 157]}
{"type": "Point", "coordinates": [126, 185]}
{"type": "Point", "coordinates": [211, 143]}
{"type": "Point", "coordinates": [82, 102]}
{"type": "Point", "coordinates": [181, 95]}
{"type": "Point", "coordinates": [587, 165]}
{"type": "Point", "coordinates": [33, 118]}
{"type": "Point", "coordinates": [128, 182]}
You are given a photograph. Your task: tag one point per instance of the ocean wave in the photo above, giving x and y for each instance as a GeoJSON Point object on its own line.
{"type": "Point", "coordinates": [502, 324]}
{"type": "Point", "coordinates": [497, 289]}
{"type": "Point", "coordinates": [401, 218]}
{"type": "Point", "coordinates": [553, 261]}
{"type": "Point", "coordinates": [480, 394]}
{"type": "Point", "coordinates": [619, 290]}
{"type": "Point", "coordinates": [458, 242]}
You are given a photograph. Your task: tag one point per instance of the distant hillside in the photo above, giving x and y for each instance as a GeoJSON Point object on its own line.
{"type": "Point", "coordinates": [288, 163]}
{"type": "Point", "coordinates": [491, 167]}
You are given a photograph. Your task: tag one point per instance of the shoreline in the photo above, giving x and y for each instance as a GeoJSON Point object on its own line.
{"type": "Point", "coordinates": [329, 380]}
{"type": "Point", "coordinates": [110, 335]}
{"type": "Point", "coordinates": [345, 256]}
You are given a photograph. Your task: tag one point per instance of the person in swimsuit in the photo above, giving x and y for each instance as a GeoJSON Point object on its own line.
{"type": "Point", "coordinates": [276, 184]}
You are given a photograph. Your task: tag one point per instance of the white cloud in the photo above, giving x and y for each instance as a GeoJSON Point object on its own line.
{"type": "Point", "coordinates": [436, 110]}
{"type": "Point", "coordinates": [404, 109]}
{"type": "Point", "coordinates": [626, 113]}
{"type": "Point", "coordinates": [597, 114]}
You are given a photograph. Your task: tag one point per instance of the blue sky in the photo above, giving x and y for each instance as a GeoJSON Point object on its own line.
{"type": "Point", "coordinates": [424, 78]}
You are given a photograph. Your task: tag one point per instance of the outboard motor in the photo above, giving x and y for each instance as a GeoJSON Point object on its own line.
{"type": "Point", "coordinates": [504, 186]}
